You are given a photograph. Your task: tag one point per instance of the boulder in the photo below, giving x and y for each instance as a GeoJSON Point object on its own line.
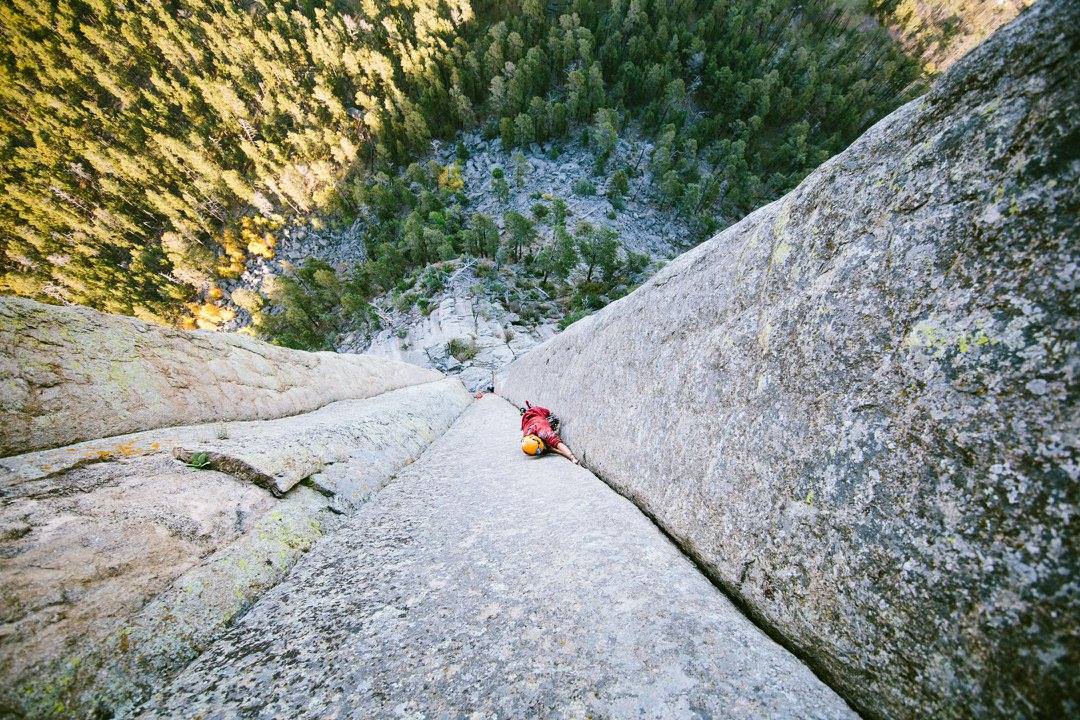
{"type": "Point", "coordinates": [858, 407]}
{"type": "Point", "coordinates": [69, 374]}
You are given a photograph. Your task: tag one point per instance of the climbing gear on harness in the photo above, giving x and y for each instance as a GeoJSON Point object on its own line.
{"type": "Point", "coordinates": [532, 445]}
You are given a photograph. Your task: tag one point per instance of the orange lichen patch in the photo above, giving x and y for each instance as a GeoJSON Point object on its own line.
{"type": "Point", "coordinates": [88, 454]}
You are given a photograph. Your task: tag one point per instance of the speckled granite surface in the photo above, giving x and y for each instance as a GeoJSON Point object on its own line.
{"type": "Point", "coordinates": [483, 583]}
{"type": "Point", "coordinates": [69, 374]}
{"type": "Point", "coordinates": [119, 564]}
{"type": "Point", "coordinates": [859, 407]}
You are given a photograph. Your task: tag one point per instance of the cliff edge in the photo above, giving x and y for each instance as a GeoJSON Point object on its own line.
{"type": "Point", "coordinates": [858, 407]}
{"type": "Point", "coordinates": [69, 374]}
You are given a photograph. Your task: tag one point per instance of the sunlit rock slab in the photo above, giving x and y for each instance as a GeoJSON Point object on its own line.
{"type": "Point", "coordinates": [119, 563]}
{"type": "Point", "coordinates": [859, 407]}
{"type": "Point", "coordinates": [485, 583]}
{"type": "Point", "coordinates": [69, 374]}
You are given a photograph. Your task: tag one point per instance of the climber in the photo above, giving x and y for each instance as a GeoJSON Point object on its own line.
{"type": "Point", "coordinates": [538, 434]}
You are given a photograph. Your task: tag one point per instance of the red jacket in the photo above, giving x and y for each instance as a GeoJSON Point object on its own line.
{"type": "Point", "coordinates": [535, 422]}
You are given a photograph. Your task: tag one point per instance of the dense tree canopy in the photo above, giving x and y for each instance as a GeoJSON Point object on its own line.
{"type": "Point", "coordinates": [148, 149]}
{"type": "Point", "coordinates": [132, 135]}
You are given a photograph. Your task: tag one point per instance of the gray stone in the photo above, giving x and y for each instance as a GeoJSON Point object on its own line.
{"type": "Point", "coordinates": [69, 374]}
{"type": "Point", "coordinates": [337, 442]}
{"type": "Point", "coordinates": [120, 564]}
{"type": "Point", "coordinates": [858, 407]}
{"type": "Point", "coordinates": [484, 583]}
{"type": "Point", "coordinates": [458, 313]}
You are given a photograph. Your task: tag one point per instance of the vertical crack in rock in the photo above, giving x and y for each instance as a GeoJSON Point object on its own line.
{"type": "Point", "coordinates": [870, 387]}
{"type": "Point", "coordinates": [485, 582]}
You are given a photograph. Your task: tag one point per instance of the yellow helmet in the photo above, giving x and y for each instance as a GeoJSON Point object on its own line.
{"type": "Point", "coordinates": [532, 445]}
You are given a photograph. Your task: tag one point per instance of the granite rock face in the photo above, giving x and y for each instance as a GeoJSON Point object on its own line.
{"type": "Point", "coordinates": [485, 583]}
{"type": "Point", "coordinates": [122, 558]}
{"type": "Point", "coordinates": [858, 408]}
{"type": "Point", "coordinates": [69, 374]}
{"type": "Point", "coordinates": [120, 563]}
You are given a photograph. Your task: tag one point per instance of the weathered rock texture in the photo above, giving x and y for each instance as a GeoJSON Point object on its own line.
{"type": "Point", "coordinates": [69, 374]}
{"type": "Point", "coordinates": [462, 314]}
{"type": "Point", "coordinates": [484, 583]}
{"type": "Point", "coordinates": [119, 563]}
{"type": "Point", "coordinates": [858, 407]}
{"type": "Point", "coordinates": [345, 448]}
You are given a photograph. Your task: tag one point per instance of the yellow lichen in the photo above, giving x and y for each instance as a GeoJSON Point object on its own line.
{"type": "Point", "coordinates": [780, 254]}
{"type": "Point", "coordinates": [938, 340]}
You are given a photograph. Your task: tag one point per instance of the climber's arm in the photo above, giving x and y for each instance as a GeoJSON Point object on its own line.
{"type": "Point", "coordinates": [566, 452]}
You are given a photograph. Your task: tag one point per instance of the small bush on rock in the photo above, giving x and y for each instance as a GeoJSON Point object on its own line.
{"type": "Point", "coordinates": [462, 349]}
{"type": "Point", "coordinates": [583, 187]}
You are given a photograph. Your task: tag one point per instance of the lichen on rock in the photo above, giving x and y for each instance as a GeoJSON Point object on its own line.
{"type": "Point", "coordinates": [69, 374]}
{"type": "Point", "coordinates": [858, 407]}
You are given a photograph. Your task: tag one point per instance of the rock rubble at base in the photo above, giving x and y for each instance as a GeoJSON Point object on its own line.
{"type": "Point", "coordinates": [464, 310]}
{"type": "Point", "coordinates": [551, 171]}
{"type": "Point", "coordinates": [497, 335]}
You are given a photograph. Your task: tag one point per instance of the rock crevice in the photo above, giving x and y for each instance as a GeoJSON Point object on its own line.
{"type": "Point", "coordinates": [858, 407]}
{"type": "Point", "coordinates": [485, 582]}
